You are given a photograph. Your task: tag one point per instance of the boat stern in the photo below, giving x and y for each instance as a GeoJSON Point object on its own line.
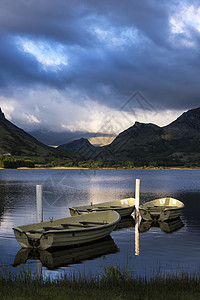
{"type": "Point", "coordinates": [22, 238]}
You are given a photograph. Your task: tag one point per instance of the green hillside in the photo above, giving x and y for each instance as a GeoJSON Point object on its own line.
{"type": "Point", "coordinates": [16, 141]}
{"type": "Point", "coordinates": [177, 144]}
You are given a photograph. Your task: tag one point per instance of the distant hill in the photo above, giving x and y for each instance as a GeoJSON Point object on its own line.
{"type": "Point", "coordinates": [54, 138]}
{"type": "Point", "coordinates": [58, 138]}
{"type": "Point", "coordinates": [82, 147]}
{"type": "Point", "coordinates": [175, 144]}
{"type": "Point", "coordinates": [16, 141]}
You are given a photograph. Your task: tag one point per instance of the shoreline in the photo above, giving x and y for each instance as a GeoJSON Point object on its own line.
{"type": "Point", "coordinates": [80, 168]}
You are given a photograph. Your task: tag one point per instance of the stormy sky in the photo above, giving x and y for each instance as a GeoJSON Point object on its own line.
{"type": "Point", "coordinates": [98, 65]}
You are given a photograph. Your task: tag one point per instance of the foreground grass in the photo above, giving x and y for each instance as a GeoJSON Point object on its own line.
{"type": "Point", "coordinates": [113, 283]}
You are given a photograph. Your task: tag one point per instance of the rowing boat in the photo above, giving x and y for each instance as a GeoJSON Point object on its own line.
{"type": "Point", "coordinates": [67, 231]}
{"type": "Point", "coordinates": [124, 207]}
{"type": "Point", "coordinates": [161, 209]}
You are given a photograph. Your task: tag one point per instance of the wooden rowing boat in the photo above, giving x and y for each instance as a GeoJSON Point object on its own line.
{"type": "Point", "coordinates": [161, 209]}
{"type": "Point", "coordinates": [62, 257]}
{"type": "Point", "coordinates": [67, 231]}
{"type": "Point", "coordinates": [124, 207]}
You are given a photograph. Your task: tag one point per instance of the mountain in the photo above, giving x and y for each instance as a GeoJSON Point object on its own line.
{"type": "Point", "coordinates": [82, 147]}
{"type": "Point", "coordinates": [16, 141]}
{"type": "Point", "coordinates": [54, 138]}
{"type": "Point", "coordinates": [175, 144]}
{"type": "Point", "coordinates": [189, 120]}
{"type": "Point", "coordinates": [58, 138]}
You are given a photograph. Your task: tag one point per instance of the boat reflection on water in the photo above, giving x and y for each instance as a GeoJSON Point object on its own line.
{"type": "Point", "coordinates": [143, 226]}
{"type": "Point", "coordinates": [129, 222]}
{"type": "Point", "coordinates": [53, 259]}
{"type": "Point", "coordinates": [167, 227]}
{"type": "Point", "coordinates": [125, 222]}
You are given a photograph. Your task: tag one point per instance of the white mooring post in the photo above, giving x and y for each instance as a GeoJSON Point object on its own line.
{"type": "Point", "coordinates": [39, 203]}
{"type": "Point", "coordinates": [137, 197]}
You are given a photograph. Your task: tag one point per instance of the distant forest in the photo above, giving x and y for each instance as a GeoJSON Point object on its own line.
{"type": "Point", "coordinates": [12, 162]}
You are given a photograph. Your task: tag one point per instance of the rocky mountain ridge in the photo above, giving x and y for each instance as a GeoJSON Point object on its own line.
{"type": "Point", "coordinates": [178, 143]}
{"type": "Point", "coordinates": [142, 144]}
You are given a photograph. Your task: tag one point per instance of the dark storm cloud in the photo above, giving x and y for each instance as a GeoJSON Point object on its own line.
{"type": "Point", "coordinates": [101, 66]}
{"type": "Point", "coordinates": [59, 20]}
{"type": "Point", "coordinates": [18, 68]}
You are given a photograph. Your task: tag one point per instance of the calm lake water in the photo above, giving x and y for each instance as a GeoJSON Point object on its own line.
{"type": "Point", "coordinates": [169, 248]}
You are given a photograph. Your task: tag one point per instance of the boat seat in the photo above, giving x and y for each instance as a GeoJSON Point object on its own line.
{"type": "Point", "coordinates": [94, 223]}
{"type": "Point", "coordinates": [104, 207]}
{"type": "Point", "coordinates": [154, 209]}
{"type": "Point", "coordinates": [35, 231]}
{"type": "Point", "coordinates": [65, 225]}
{"type": "Point", "coordinates": [172, 207]}
{"type": "Point", "coordinates": [76, 225]}
{"type": "Point", "coordinates": [114, 206]}
{"type": "Point", "coordinates": [52, 228]}
{"type": "Point", "coordinates": [160, 208]}
{"type": "Point", "coordinates": [84, 210]}
{"type": "Point", "coordinates": [165, 206]}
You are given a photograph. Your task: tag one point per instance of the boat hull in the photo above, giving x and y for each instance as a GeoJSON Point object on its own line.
{"type": "Point", "coordinates": [124, 207]}
{"type": "Point", "coordinates": [161, 209]}
{"type": "Point", "coordinates": [29, 236]}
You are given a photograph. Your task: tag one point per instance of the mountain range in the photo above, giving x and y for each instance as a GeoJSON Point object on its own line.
{"type": "Point", "coordinates": [175, 144]}
{"type": "Point", "coordinates": [142, 144]}
{"type": "Point", "coordinates": [55, 138]}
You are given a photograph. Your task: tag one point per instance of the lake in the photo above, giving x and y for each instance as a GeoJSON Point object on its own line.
{"type": "Point", "coordinates": [167, 248]}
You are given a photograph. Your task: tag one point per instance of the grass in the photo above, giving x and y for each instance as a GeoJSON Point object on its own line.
{"type": "Point", "coordinates": [113, 283]}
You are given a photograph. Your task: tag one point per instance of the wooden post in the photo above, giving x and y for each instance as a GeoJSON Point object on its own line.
{"type": "Point", "coordinates": [39, 203]}
{"type": "Point", "coordinates": [137, 197]}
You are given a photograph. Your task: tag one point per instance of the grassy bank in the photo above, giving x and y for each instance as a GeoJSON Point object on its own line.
{"type": "Point", "coordinates": [112, 283]}
{"type": "Point", "coordinates": [13, 162]}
